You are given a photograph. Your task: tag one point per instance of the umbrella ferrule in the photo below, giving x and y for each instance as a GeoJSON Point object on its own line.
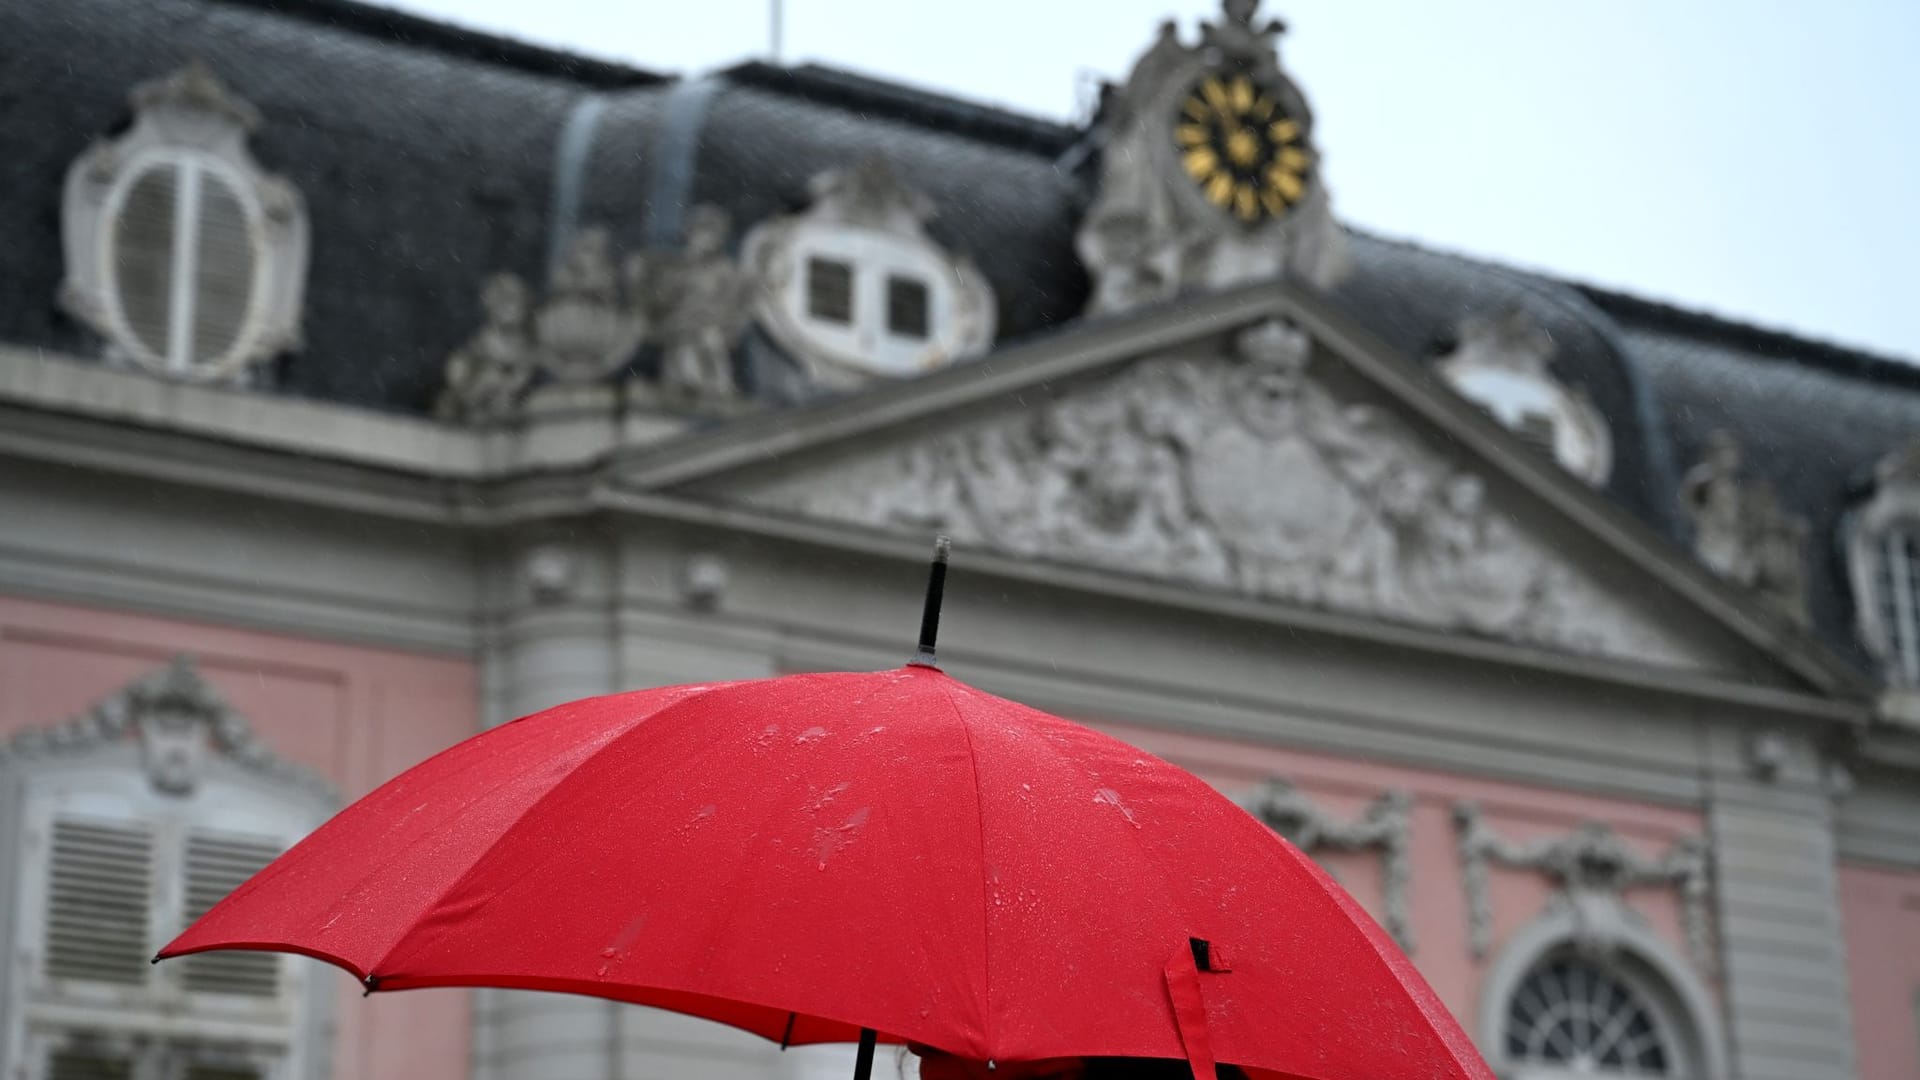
{"type": "Point", "coordinates": [930, 614]}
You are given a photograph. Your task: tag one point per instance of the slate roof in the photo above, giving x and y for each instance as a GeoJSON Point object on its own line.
{"type": "Point", "coordinates": [431, 156]}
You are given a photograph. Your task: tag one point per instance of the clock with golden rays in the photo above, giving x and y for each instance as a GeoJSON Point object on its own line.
{"type": "Point", "coordinates": [1238, 143]}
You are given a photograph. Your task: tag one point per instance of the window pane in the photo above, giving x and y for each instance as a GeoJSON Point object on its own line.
{"type": "Point", "coordinates": [217, 865]}
{"type": "Point", "coordinates": [223, 271]}
{"type": "Point", "coordinates": [98, 892]}
{"type": "Point", "coordinates": [1573, 1014]}
{"type": "Point", "coordinates": [830, 290]}
{"type": "Point", "coordinates": [907, 307]}
{"type": "Point", "coordinates": [143, 256]}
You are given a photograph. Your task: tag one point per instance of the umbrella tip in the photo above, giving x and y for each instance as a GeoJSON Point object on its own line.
{"type": "Point", "coordinates": [372, 983]}
{"type": "Point", "coordinates": [930, 614]}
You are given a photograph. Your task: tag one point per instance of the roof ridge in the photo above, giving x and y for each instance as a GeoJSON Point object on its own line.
{"type": "Point", "coordinates": [873, 95]}
{"type": "Point", "coordinates": [418, 31]}
{"type": "Point", "coordinates": [1770, 344]}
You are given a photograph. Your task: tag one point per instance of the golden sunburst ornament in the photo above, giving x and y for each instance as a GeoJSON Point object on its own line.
{"type": "Point", "coordinates": [1237, 142]}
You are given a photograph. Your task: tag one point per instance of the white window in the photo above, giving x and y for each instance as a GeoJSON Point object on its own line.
{"type": "Point", "coordinates": [1883, 554]}
{"type": "Point", "coordinates": [1572, 1017]}
{"type": "Point", "coordinates": [855, 288]}
{"type": "Point", "coordinates": [180, 251]}
{"type": "Point", "coordinates": [125, 826]}
{"type": "Point", "coordinates": [1501, 365]}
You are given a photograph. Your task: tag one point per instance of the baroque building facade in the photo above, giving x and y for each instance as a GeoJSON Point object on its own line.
{"type": "Point", "coordinates": [365, 382]}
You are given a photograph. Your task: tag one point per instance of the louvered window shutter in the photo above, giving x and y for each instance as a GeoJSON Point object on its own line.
{"type": "Point", "coordinates": [181, 222]}
{"type": "Point", "coordinates": [88, 1065]}
{"type": "Point", "coordinates": [100, 888]}
{"type": "Point", "coordinates": [143, 256]}
{"type": "Point", "coordinates": [215, 865]}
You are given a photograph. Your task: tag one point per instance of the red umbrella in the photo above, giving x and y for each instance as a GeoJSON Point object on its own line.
{"type": "Point", "coordinates": [815, 858]}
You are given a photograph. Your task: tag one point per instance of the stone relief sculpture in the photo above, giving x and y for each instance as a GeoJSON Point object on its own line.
{"type": "Point", "coordinates": [1386, 826]}
{"type": "Point", "coordinates": [1740, 530]}
{"type": "Point", "coordinates": [1593, 868]}
{"type": "Point", "coordinates": [1239, 474]}
{"type": "Point", "coordinates": [593, 317]}
{"type": "Point", "coordinates": [597, 313]}
{"type": "Point", "coordinates": [704, 303]}
{"type": "Point", "coordinates": [176, 718]}
{"type": "Point", "coordinates": [1154, 230]}
{"type": "Point", "coordinates": [486, 377]}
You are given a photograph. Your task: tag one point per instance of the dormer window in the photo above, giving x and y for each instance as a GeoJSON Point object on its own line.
{"type": "Point", "coordinates": [855, 288]}
{"type": "Point", "coordinates": [1501, 366]}
{"type": "Point", "coordinates": [181, 252]}
{"type": "Point", "coordinates": [1884, 557]}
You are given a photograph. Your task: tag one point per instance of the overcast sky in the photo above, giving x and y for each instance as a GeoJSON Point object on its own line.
{"type": "Point", "coordinates": [1754, 158]}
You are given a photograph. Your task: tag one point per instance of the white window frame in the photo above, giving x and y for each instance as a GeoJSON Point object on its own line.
{"type": "Point", "coordinates": [189, 120]}
{"type": "Point", "coordinates": [106, 767]}
{"type": "Point", "coordinates": [865, 218]}
{"type": "Point", "coordinates": [1893, 510]}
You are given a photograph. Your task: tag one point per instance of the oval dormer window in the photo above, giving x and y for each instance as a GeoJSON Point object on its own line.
{"type": "Point", "coordinates": [856, 289]}
{"type": "Point", "coordinates": [181, 252]}
{"type": "Point", "coordinates": [183, 256]}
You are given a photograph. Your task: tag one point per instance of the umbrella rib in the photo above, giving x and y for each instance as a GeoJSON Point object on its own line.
{"type": "Point", "coordinates": [980, 832]}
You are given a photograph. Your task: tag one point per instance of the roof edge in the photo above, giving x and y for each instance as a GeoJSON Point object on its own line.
{"type": "Point", "coordinates": [416, 31]}
{"type": "Point", "coordinates": [926, 108]}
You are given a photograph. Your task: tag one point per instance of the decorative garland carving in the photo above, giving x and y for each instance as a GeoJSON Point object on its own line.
{"type": "Point", "coordinates": [1593, 867]}
{"type": "Point", "coordinates": [176, 715]}
{"type": "Point", "coordinates": [1386, 825]}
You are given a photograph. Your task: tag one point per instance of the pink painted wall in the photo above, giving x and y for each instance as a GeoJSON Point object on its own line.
{"type": "Point", "coordinates": [356, 715]}
{"type": "Point", "coordinates": [1881, 909]}
{"type": "Point", "coordinates": [1438, 900]}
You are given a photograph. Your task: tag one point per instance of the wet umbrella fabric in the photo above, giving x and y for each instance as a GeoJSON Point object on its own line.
{"type": "Point", "coordinates": [807, 856]}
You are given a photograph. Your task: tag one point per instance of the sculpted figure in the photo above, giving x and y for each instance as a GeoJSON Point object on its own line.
{"type": "Point", "coordinates": [485, 376]}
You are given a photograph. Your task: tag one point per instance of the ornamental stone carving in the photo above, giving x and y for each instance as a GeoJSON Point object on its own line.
{"type": "Point", "coordinates": [1593, 869]}
{"type": "Point", "coordinates": [1386, 826]}
{"type": "Point", "coordinates": [599, 312]}
{"type": "Point", "coordinates": [487, 376]}
{"type": "Point", "coordinates": [866, 219]}
{"type": "Point", "coordinates": [176, 718]}
{"type": "Point", "coordinates": [1501, 364]}
{"type": "Point", "coordinates": [1240, 474]}
{"type": "Point", "coordinates": [1152, 231]}
{"type": "Point", "coordinates": [704, 303]}
{"type": "Point", "coordinates": [1740, 530]}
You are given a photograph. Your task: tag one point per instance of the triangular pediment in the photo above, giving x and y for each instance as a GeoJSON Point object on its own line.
{"type": "Point", "coordinates": [1261, 463]}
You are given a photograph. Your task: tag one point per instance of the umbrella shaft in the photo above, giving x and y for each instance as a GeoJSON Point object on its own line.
{"type": "Point", "coordinates": [863, 1064]}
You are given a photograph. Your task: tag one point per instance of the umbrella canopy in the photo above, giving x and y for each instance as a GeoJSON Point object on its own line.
{"type": "Point", "coordinates": [809, 856]}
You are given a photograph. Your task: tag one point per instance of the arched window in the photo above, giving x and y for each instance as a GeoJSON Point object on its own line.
{"type": "Point", "coordinates": [180, 251]}
{"type": "Point", "coordinates": [1569, 1015]}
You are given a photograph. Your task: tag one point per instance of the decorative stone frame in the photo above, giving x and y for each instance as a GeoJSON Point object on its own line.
{"type": "Point", "coordinates": [1593, 868]}
{"type": "Point", "coordinates": [191, 121]}
{"type": "Point", "coordinates": [1895, 503]}
{"type": "Point", "coordinates": [1634, 955]}
{"type": "Point", "coordinates": [866, 217]}
{"type": "Point", "coordinates": [1516, 349]}
{"type": "Point", "coordinates": [1386, 826]}
{"type": "Point", "coordinates": [166, 743]}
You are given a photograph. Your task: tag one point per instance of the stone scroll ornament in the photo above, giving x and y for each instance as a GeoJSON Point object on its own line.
{"type": "Point", "coordinates": [1593, 868]}
{"type": "Point", "coordinates": [1240, 475]}
{"type": "Point", "coordinates": [1386, 826]}
{"type": "Point", "coordinates": [177, 717]}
